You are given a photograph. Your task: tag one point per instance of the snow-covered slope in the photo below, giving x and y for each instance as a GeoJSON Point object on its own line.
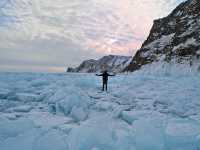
{"type": "Point", "coordinates": [173, 38]}
{"type": "Point", "coordinates": [151, 109]}
{"type": "Point", "coordinates": [112, 63]}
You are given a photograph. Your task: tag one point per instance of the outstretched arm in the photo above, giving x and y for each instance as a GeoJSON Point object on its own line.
{"type": "Point", "coordinates": [111, 74]}
{"type": "Point", "coordinates": [99, 74]}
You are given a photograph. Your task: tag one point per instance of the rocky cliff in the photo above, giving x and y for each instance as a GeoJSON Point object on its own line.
{"type": "Point", "coordinates": [113, 63]}
{"type": "Point", "coordinates": [175, 37]}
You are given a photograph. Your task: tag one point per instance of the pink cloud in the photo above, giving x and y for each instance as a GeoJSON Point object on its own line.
{"type": "Point", "coordinates": [75, 30]}
{"type": "Point", "coordinates": [135, 19]}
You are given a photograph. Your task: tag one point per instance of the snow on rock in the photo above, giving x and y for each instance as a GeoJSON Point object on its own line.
{"type": "Point", "coordinates": [198, 52]}
{"type": "Point", "coordinates": [112, 63]}
{"type": "Point", "coordinates": [160, 43]}
{"type": "Point", "coordinates": [187, 43]}
{"type": "Point", "coordinates": [175, 38]}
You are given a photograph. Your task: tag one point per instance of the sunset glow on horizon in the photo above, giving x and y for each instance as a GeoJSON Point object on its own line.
{"type": "Point", "coordinates": [63, 33]}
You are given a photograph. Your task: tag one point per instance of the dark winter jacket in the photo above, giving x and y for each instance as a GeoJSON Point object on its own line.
{"type": "Point", "coordinates": [105, 76]}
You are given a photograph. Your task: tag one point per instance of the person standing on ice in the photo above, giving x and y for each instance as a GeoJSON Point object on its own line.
{"type": "Point", "coordinates": [105, 76]}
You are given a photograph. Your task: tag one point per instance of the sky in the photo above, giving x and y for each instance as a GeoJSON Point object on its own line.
{"type": "Point", "coordinates": [51, 35]}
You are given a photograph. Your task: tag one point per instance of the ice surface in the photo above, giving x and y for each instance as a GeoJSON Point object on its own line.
{"type": "Point", "coordinates": [24, 108]}
{"type": "Point", "coordinates": [157, 108]}
{"type": "Point", "coordinates": [106, 134]}
{"type": "Point", "coordinates": [26, 97]}
{"type": "Point", "coordinates": [10, 129]}
{"type": "Point", "coordinates": [78, 113]}
{"type": "Point", "coordinates": [148, 135]}
{"type": "Point", "coordinates": [182, 134]}
{"type": "Point", "coordinates": [130, 116]}
{"type": "Point", "coordinates": [51, 140]}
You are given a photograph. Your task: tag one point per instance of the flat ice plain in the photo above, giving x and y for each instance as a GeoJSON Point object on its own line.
{"type": "Point", "coordinates": [140, 111]}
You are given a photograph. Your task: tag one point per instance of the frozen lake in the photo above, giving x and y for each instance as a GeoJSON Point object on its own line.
{"type": "Point", "coordinates": [140, 111]}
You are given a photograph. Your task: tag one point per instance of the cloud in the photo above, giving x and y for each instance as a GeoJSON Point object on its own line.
{"type": "Point", "coordinates": [53, 32]}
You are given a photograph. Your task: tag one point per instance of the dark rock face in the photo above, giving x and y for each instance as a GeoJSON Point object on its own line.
{"type": "Point", "coordinates": [111, 63]}
{"type": "Point", "coordinates": [176, 36]}
{"type": "Point", "coordinates": [71, 69]}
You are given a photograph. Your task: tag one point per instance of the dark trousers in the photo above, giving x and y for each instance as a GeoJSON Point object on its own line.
{"type": "Point", "coordinates": [105, 85]}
